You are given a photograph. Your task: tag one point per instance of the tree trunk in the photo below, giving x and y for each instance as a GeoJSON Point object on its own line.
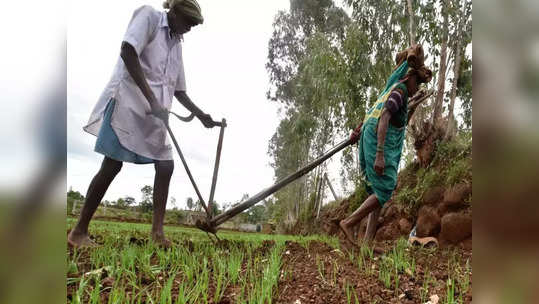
{"type": "Point", "coordinates": [411, 22]}
{"type": "Point", "coordinates": [450, 117]}
{"type": "Point", "coordinates": [426, 133]}
{"type": "Point", "coordinates": [438, 103]}
{"type": "Point", "coordinates": [299, 197]}
{"type": "Point", "coordinates": [320, 196]}
{"type": "Point", "coordinates": [456, 71]}
{"type": "Point", "coordinates": [317, 184]}
{"type": "Point", "coordinates": [330, 187]}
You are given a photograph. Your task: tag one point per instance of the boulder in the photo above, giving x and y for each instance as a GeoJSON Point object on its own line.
{"type": "Point", "coordinates": [454, 199]}
{"type": "Point", "coordinates": [467, 244]}
{"type": "Point", "coordinates": [456, 195]}
{"type": "Point", "coordinates": [456, 227]}
{"type": "Point", "coordinates": [433, 195]}
{"type": "Point", "coordinates": [428, 222]}
{"type": "Point", "coordinates": [388, 232]}
{"type": "Point", "coordinates": [389, 212]}
{"type": "Point", "coordinates": [405, 226]}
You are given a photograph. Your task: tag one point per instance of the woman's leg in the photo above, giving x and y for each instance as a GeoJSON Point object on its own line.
{"type": "Point", "coordinates": [163, 173]}
{"type": "Point", "coordinates": [372, 224]}
{"type": "Point", "coordinates": [99, 185]}
{"type": "Point", "coordinates": [369, 205]}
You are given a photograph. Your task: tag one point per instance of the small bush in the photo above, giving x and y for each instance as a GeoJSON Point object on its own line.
{"type": "Point", "coordinates": [432, 178]}
{"type": "Point", "coordinates": [459, 171]}
{"type": "Point", "coordinates": [408, 197]}
{"type": "Point", "coordinates": [457, 148]}
{"type": "Point", "coordinates": [69, 205]}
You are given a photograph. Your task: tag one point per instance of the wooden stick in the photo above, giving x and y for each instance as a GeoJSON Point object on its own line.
{"type": "Point", "coordinates": [217, 160]}
{"type": "Point", "coordinates": [320, 195]}
{"type": "Point", "coordinates": [330, 186]}
{"type": "Point", "coordinates": [414, 103]}
{"type": "Point", "coordinates": [187, 170]}
{"type": "Point", "coordinates": [223, 217]}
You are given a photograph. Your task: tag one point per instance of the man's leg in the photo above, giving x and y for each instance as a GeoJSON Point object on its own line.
{"type": "Point", "coordinates": [369, 205]}
{"type": "Point", "coordinates": [99, 185]}
{"type": "Point", "coordinates": [163, 173]}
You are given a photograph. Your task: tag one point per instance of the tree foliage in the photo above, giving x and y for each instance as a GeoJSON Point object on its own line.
{"type": "Point", "coordinates": [215, 208]}
{"type": "Point", "coordinates": [189, 203]}
{"type": "Point", "coordinates": [75, 195]}
{"type": "Point", "coordinates": [146, 204]}
{"type": "Point", "coordinates": [123, 203]}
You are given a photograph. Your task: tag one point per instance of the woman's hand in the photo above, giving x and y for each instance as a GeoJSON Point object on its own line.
{"type": "Point", "coordinates": [379, 163]}
{"type": "Point", "coordinates": [356, 134]}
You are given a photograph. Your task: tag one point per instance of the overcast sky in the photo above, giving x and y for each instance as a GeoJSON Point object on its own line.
{"type": "Point", "coordinates": [226, 77]}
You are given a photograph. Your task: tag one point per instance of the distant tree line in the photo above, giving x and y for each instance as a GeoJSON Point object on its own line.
{"type": "Point", "coordinates": [261, 212]}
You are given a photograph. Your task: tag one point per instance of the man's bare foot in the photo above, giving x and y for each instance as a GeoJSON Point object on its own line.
{"type": "Point", "coordinates": [161, 241]}
{"type": "Point", "coordinates": [347, 232]}
{"type": "Point", "coordinates": [80, 240]}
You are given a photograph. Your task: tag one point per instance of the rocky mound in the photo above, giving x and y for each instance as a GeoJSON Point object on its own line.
{"type": "Point", "coordinates": [436, 200]}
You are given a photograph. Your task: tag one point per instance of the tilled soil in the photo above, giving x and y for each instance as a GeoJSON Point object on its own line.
{"type": "Point", "coordinates": [301, 279]}
{"type": "Point", "coordinates": [302, 282]}
{"type": "Point", "coordinates": [314, 272]}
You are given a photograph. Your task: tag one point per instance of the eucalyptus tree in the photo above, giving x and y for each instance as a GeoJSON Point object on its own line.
{"type": "Point", "coordinates": [296, 84]}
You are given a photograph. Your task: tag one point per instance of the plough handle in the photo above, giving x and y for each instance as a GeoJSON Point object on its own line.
{"type": "Point", "coordinates": [192, 115]}
{"type": "Point", "coordinates": [217, 161]}
{"type": "Point", "coordinates": [182, 118]}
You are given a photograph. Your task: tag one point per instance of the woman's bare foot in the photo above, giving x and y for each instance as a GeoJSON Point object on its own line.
{"type": "Point", "coordinates": [349, 234]}
{"type": "Point", "coordinates": [80, 240]}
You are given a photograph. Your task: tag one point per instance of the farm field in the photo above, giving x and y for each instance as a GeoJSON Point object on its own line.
{"type": "Point", "coordinates": [258, 268]}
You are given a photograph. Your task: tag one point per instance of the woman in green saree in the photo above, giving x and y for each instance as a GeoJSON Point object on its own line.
{"type": "Point", "coordinates": [382, 137]}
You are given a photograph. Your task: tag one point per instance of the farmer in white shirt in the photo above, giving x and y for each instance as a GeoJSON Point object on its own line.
{"type": "Point", "coordinates": [148, 73]}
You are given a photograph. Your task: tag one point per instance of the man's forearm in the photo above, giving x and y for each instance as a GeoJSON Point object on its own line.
{"type": "Point", "coordinates": [187, 103]}
{"type": "Point", "coordinates": [383, 124]}
{"type": "Point", "coordinates": [132, 64]}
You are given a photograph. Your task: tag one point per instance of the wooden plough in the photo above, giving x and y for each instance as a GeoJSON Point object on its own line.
{"type": "Point", "coordinates": [210, 225]}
